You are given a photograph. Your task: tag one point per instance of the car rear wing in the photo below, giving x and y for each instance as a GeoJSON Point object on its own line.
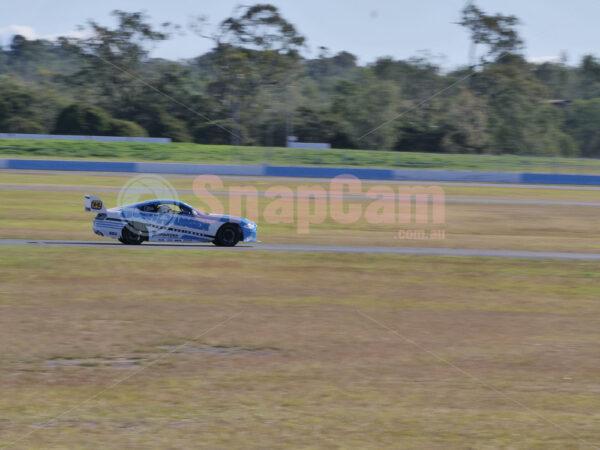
{"type": "Point", "coordinates": [94, 204]}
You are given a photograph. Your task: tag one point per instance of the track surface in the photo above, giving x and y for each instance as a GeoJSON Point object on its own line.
{"type": "Point", "coordinates": [318, 249]}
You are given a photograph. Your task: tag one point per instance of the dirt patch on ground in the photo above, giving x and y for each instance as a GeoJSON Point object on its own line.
{"type": "Point", "coordinates": [217, 350]}
{"type": "Point", "coordinates": [125, 362]}
{"type": "Point", "coordinates": [93, 362]}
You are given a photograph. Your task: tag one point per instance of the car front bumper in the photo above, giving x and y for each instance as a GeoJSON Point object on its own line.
{"type": "Point", "coordinates": [249, 235]}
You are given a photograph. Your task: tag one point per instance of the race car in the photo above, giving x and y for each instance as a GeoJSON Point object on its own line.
{"type": "Point", "coordinates": [167, 221]}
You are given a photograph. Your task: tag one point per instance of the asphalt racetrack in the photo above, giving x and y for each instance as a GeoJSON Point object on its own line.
{"type": "Point", "coordinates": [316, 248]}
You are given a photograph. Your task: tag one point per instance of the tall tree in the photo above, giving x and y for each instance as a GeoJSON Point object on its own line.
{"type": "Point", "coordinates": [466, 124]}
{"type": "Point", "coordinates": [589, 77]}
{"type": "Point", "coordinates": [583, 117]}
{"type": "Point", "coordinates": [363, 105]}
{"type": "Point", "coordinates": [256, 58]}
{"type": "Point", "coordinates": [262, 27]}
{"type": "Point", "coordinates": [113, 58]}
{"type": "Point", "coordinates": [496, 31]}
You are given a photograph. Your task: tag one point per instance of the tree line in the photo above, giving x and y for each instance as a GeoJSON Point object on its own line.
{"type": "Point", "coordinates": [255, 87]}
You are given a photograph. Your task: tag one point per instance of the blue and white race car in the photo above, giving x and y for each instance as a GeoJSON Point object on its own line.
{"type": "Point", "coordinates": [167, 221]}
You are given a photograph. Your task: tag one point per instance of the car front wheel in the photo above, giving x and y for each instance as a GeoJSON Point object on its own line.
{"type": "Point", "coordinates": [227, 236]}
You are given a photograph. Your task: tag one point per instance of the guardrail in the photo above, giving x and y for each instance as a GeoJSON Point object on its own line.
{"type": "Point", "coordinates": [302, 172]}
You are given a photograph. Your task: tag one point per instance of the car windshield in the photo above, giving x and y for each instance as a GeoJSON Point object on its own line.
{"type": "Point", "coordinates": [187, 209]}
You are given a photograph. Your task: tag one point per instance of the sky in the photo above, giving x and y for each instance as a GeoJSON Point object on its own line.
{"type": "Point", "coordinates": [367, 28]}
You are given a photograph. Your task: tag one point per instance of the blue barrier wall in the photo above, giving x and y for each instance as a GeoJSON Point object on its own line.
{"type": "Point", "coordinates": [199, 169]}
{"type": "Point", "coordinates": [302, 172]}
{"type": "Point", "coordinates": [549, 178]}
{"type": "Point", "coordinates": [457, 175]}
{"type": "Point", "coordinates": [85, 166]}
{"type": "Point", "coordinates": [328, 172]}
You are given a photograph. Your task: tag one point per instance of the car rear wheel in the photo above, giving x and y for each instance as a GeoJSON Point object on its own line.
{"type": "Point", "coordinates": [133, 234]}
{"type": "Point", "coordinates": [227, 236]}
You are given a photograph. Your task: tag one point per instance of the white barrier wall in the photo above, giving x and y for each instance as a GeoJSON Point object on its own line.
{"type": "Point", "coordinates": [84, 138]}
{"type": "Point", "coordinates": [310, 145]}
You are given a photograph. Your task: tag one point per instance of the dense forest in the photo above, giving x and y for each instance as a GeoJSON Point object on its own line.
{"type": "Point", "coordinates": [255, 87]}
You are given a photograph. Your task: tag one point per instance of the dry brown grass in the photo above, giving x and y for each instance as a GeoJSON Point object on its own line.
{"type": "Point", "coordinates": [526, 333]}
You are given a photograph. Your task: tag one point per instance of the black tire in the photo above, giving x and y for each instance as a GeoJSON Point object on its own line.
{"type": "Point", "coordinates": [227, 236]}
{"type": "Point", "coordinates": [133, 234]}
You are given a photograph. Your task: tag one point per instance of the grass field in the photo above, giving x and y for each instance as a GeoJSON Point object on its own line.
{"type": "Point", "coordinates": [281, 156]}
{"type": "Point", "coordinates": [124, 349]}
{"type": "Point", "coordinates": [168, 348]}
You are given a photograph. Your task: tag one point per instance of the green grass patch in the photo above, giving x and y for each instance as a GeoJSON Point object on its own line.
{"type": "Point", "coordinates": [222, 154]}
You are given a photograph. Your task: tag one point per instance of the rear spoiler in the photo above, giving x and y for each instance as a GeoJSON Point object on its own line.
{"type": "Point", "coordinates": [94, 204]}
